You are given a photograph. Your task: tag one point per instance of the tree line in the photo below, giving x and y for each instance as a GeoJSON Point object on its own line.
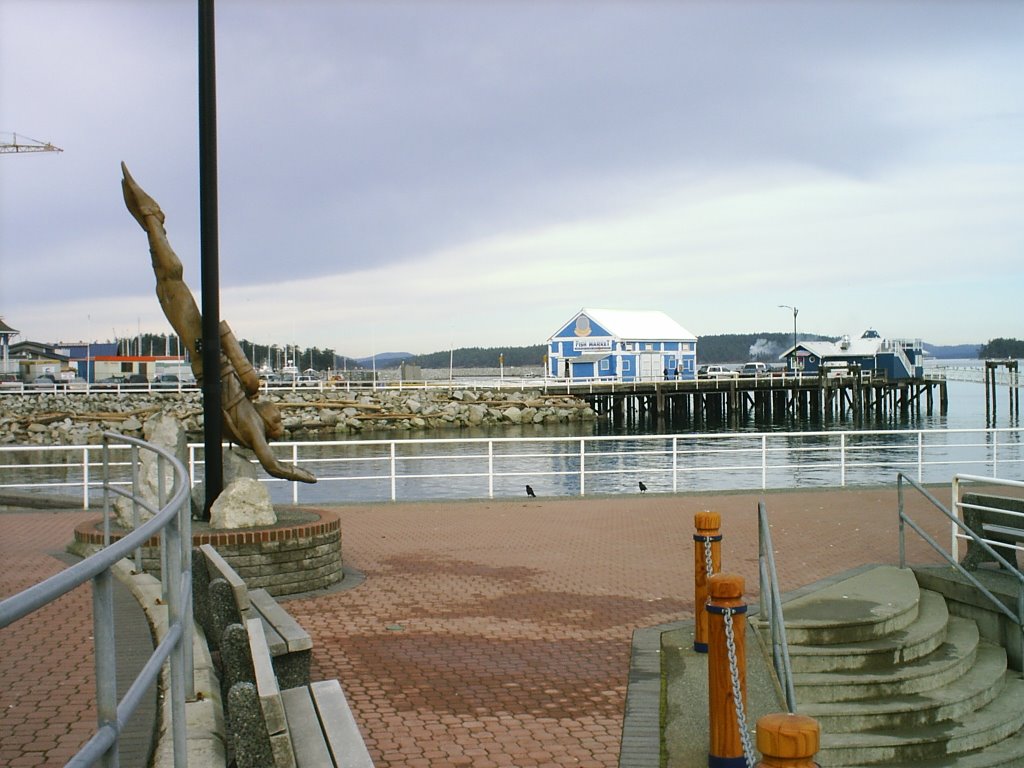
{"type": "Point", "coordinates": [272, 355]}
{"type": "Point", "coordinates": [1002, 348]}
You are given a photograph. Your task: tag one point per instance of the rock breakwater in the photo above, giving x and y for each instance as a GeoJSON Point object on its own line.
{"type": "Point", "coordinates": [77, 418]}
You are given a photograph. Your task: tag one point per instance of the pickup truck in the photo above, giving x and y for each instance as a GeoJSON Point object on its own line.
{"type": "Point", "coordinates": [754, 369]}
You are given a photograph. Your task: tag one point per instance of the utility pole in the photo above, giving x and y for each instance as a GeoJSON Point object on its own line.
{"type": "Point", "coordinates": [795, 312]}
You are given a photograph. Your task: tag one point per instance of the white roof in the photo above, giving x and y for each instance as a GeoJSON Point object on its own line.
{"type": "Point", "coordinates": [856, 348]}
{"type": "Point", "coordinates": [638, 324]}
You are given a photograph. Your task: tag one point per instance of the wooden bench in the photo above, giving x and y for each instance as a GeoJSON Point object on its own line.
{"type": "Point", "coordinates": [993, 519]}
{"type": "Point", "coordinates": [306, 726]}
{"type": "Point", "coordinates": [222, 598]}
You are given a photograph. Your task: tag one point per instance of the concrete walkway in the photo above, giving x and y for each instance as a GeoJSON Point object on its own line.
{"type": "Point", "coordinates": [486, 633]}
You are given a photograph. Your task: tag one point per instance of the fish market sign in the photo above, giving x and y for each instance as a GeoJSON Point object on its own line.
{"type": "Point", "coordinates": [590, 345]}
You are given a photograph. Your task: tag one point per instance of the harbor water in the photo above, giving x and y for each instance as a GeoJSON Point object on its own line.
{"type": "Point", "coordinates": [602, 457]}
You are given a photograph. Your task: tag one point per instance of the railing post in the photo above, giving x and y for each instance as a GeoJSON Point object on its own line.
{"type": "Point", "coordinates": [842, 459]}
{"type": "Point", "coordinates": [727, 671]}
{"type": "Point", "coordinates": [490, 469]}
{"type": "Point", "coordinates": [920, 456]}
{"type": "Point", "coordinates": [707, 551]}
{"type": "Point", "coordinates": [954, 508]}
{"type": "Point", "coordinates": [583, 468]}
{"type": "Point", "coordinates": [295, 463]}
{"type": "Point", "coordinates": [764, 462]}
{"type": "Point", "coordinates": [394, 470]}
{"type": "Point", "coordinates": [135, 504]}
{"type": "Point", "coordinates": [106, 491]}
{"type": "Point", "coordinates": [675, 464]}
{"type": "Point", "coordinates": [105, 652]}
{"type": "Point", "coordinates": [85, 477]}
{"type": "Point", "coordinates": [787, 741]}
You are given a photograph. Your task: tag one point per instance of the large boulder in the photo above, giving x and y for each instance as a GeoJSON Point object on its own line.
{"type": "Point", "coordinates": [236, 465]}
{"type": "Point", "coordinates": [244, 503]}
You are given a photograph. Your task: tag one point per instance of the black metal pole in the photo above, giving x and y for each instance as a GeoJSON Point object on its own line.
{"type": "Point", "coordinates": [209, 258]}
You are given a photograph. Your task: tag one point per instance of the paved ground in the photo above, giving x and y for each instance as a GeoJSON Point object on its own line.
{"type": "Point", "coordinates": [485, 634]}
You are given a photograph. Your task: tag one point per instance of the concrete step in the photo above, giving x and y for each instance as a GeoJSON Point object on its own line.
{"type": "Point", "coordinates": [864, 607]}
{"type": "Point", "coordinates": [1008, 752]}
{"type": "Point", "coordinates": [950, 661]}
{"type": "Point", "coordinates": [999, 719]}
{"type": "Point", "coordinates": [915, 641]}
{"type": "Point", "coordinates": [981, 683]}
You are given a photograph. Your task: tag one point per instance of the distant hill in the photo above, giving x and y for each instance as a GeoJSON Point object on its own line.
{"type": "Point", "coordinates": [483, 357]}
{"type": "Point", "coordinates": [384, 359]}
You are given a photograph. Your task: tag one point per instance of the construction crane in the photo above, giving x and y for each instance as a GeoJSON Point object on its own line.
{"type": "Point", "coordinates": [11, 142]}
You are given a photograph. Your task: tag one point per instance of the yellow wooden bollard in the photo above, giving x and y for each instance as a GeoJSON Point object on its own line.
{"type": "Point", "coordinates": [725, 749]}
{"type": "Point", "coordinates": [787, 741]}
{"type": "Point", "coordinates": [708, 525]}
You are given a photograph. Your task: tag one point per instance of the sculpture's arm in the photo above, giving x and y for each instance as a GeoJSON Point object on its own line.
{"type": "Point", "coordinates": [244, 423]}
{"type": "Point", "coordinates": [278, 468]}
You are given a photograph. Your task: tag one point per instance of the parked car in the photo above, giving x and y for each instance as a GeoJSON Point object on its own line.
{"type": "Point", "coordinates": [10, 380]}
{"type": "Point", "coordinates": [716, 372]}
{"type": "Point", "coordinates": [112, 382]}
{"type": "Point", "coordinates": [44, 381]}
{"type": "Point", "coordinates": [166, 381]}
{"type": "Point", "coordinates": [754, 369]}
{"type": "Point", "coordinates": [307, 381]}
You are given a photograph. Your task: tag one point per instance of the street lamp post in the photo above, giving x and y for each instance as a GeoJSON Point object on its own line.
{"type": "Point", "coordinates": [795, 312]}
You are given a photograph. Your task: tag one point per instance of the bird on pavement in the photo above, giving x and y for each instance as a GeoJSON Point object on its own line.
{"type": "Point", "coordinates": [530, 493]}
{"type": "Point", "coordinates": [643, 488]}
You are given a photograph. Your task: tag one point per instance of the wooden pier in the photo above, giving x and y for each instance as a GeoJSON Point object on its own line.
{"type": "Point", "coordinates": [767, 397]}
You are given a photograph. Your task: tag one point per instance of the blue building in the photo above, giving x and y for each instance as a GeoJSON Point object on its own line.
{"type": "Point", "coordinates": [895, 358]}
{"type": "Point", "coordinates": [620, 345]}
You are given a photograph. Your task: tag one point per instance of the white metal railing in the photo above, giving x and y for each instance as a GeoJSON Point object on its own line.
{"type": "Point", "coordinates": [424, 468]}
{"type": "Point", "coordinates": [960, 484]}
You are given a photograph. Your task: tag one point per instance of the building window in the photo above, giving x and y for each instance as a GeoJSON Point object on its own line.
{"type": "Point", "coordinates": [606, 364]}
{"type": "Point", "coordinates": [626, 367]}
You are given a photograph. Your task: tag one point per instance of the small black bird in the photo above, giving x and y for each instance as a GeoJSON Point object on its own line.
{"type": "Point", "coordinates": [643, 488]}
{"type": "Point", "coordinates": [530, 493]}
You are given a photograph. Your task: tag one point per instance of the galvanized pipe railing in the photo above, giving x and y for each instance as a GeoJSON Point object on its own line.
{"type": "Point", "coordinates": [172, 521]}
{"type": "Point", "coordinates": [770, 606]}
{"type": "Point", "coordinates": [1016, 616]}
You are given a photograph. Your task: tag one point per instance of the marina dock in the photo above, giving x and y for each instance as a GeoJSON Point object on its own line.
{"type": "Point", "coordinates": [804, 397]}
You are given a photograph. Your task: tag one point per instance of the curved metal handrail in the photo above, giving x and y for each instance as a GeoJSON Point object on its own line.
{"type": "Point", "coordinates": [173, 520]}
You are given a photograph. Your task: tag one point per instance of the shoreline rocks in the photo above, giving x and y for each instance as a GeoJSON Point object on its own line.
{"type": "Point", "coordinates": [48, 418]}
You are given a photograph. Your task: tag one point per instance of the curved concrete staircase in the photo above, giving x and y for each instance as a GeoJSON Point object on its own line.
{"type": "Point", "coordinates": [895, 680]}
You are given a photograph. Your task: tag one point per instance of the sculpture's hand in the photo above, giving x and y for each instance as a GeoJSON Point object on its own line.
{"type": "Point", "coordinates": [295, 473]}
{"type": "Point", "coordinates": [140, 205]}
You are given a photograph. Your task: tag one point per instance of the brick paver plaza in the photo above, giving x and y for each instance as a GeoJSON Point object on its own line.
{"type": "Point", "coordinates": [486, 633]}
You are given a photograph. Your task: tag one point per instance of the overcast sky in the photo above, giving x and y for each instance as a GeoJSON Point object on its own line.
{"type": "Point", "coordinates": [409, 176]}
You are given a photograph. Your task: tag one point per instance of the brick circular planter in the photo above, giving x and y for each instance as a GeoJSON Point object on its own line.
{"type": "Point", "coordinates": [302, 553]}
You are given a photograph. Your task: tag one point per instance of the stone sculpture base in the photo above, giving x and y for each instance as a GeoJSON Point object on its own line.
{"type": "Point", "coordinates": [301, 553]}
